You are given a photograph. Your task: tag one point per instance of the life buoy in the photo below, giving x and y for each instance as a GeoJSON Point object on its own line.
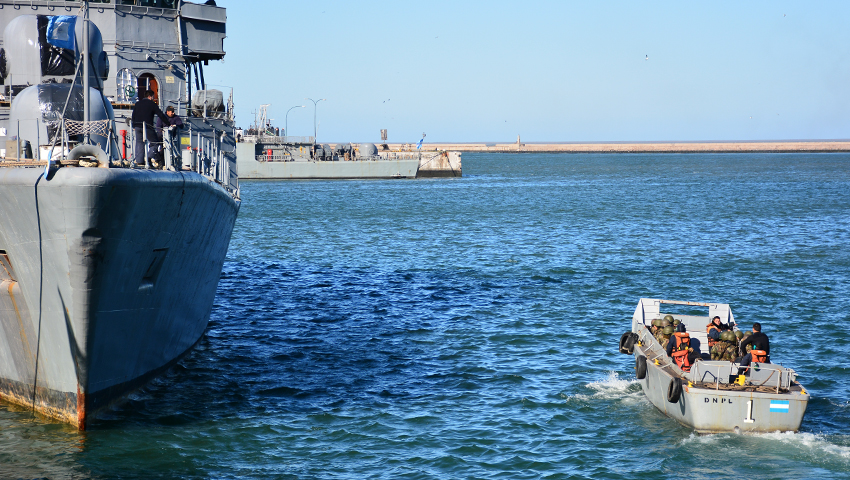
{"type": "Point", "coordinates": [640, 367]}
{"type": "Point", "coordinates": [674, 390]}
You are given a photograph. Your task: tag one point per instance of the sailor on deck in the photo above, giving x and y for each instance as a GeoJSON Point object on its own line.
{"type": "Point", "coordinates": [714, 329]}
{"type": "Point", "coordinates": [143, 113]}
{"type": "Point", "coordinates": [683, 350]}
{"type": "Point", "coordinates": [760, 343]}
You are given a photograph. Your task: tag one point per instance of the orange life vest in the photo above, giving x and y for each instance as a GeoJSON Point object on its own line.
{"type": "Point", "coordinates": [680, 351]}
{"type": "Point", "coordinates": [759, 356]}
{"type": "Point", "coordinates": [708, 328]}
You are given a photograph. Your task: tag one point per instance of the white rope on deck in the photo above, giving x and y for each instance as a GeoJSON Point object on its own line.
{"type": "Point", "coordinates": [94, 127]}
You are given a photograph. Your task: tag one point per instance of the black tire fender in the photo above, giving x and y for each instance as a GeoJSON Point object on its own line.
{"type": "Point", "coordinates": [630, 343]}
{"type": "Point", "coordinates": [674, 390]}
{"type": "Point", "coordinates": [640, 367]}
{"type": "Point", "coordinates": [623, 340]}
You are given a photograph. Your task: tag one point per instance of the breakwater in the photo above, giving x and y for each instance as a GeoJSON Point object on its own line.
{"type": "Point", "coordinates": [795, 146]}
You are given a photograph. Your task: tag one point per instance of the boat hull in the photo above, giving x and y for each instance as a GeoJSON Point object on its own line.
{"type": "Point", "coordinates": [249, 168]}
{"type": "Point", "coordinates": [709, 410]}
{"type": "Point", "coordinates": [109, 278]}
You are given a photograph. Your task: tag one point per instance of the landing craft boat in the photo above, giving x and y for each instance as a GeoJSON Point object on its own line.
{"type": "Point", "coordinates": [108, 270]}
{"type": "Point", "coordinates": [711, 397]}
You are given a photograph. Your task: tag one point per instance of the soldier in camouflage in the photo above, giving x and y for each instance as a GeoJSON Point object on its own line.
{"type": "Point", "coordinates": [666, 333]}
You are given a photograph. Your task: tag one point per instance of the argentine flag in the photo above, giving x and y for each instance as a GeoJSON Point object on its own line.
{"type": "Point", "coordinates": [419, 145]}
{"type": "Point", "coordinates": [60, 31]}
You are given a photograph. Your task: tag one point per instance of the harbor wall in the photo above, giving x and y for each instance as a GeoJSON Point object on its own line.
{"type": "Point", "coordinates": [640, 147]}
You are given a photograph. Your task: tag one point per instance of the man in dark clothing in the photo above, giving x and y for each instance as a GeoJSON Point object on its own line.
{"type": "Point", "coordinates": [174, 122]}
{"type": "Point", "coordinates": [142, 120]}
{"type": "Point", "coordinates": [759, 341]}
{"type": "Point", "coordinates": [692, 347]}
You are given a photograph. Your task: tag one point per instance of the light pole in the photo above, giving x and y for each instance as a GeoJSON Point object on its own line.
{"type": "Point", "coordinates": [286, 125]}
{"type": "Point", "coordinates": [314, 115]}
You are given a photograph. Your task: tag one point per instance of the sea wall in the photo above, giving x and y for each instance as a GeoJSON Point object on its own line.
{"type": "Point", "coordinates": [641, 147]}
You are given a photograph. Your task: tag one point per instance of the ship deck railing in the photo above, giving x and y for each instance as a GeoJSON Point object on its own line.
{"type": "Point", "coordinates": [278, 140]}
{"type": "Point", "coordinates": [207, 159]}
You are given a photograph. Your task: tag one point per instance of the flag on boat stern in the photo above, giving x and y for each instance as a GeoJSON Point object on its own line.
{"type": "Point", "coordinates": [781, 406]}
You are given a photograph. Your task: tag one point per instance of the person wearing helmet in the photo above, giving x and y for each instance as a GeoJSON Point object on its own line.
{"type": "Point", "coordinates": [666, 333]}
{"type": "Point", "coordinates": [759, 342]}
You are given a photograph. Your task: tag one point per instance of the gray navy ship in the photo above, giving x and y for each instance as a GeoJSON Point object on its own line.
{"type": "Point", "coordinates": [264, 154]}
{"type": "Point", "coordinates": [109, 270]}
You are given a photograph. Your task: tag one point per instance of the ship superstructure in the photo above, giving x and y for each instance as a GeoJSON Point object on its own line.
{"type": "Point", "coordinates": [109, 268]}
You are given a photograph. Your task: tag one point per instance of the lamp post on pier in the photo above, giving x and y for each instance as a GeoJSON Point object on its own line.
{"type": "Point", "coordinates": [286, 124]}
{"type": "Point", "coordinates": [314, 115]}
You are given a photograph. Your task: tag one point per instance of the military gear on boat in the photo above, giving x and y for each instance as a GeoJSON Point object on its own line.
{"type": "Point", "coordinates": [669, 317]}
{"type": "Point", "coordinates": [656, 322]}
{"type": "Point", "coordinates": [718, 350]}
{"type": "Point", "coordinates": [666, 323]}
{"type": "Point", "coordinates": [728, 336]}
{"type": "Point", "coordinates": [668, 330]}
{"type": "Point", "coordinates": [739, 334]}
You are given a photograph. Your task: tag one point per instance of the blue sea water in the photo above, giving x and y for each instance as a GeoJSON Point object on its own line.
{"type": "Point", "coordinates": [468, 328]}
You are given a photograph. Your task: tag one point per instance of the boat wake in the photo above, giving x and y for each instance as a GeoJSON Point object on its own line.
{"type": "Point", "coordinates": [612, 387]}
{"type": "Point", "coordinates": [803, 444]}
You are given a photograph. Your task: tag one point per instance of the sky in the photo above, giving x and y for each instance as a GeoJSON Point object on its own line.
{"type": "Point", "coordinates": [549, 71]}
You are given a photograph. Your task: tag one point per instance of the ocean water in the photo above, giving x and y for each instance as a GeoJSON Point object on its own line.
{"type": "Point", "coordinates": [468, 328]}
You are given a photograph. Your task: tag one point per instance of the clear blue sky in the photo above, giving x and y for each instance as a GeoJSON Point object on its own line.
{"type": "Point", "coordinates": [546, 70]}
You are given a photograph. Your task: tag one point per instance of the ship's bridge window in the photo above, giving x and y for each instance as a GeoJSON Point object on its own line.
{"type": "Point", "coordinates": [147, 81]}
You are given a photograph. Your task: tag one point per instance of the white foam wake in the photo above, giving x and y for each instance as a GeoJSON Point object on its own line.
{"type": "Point", "coordinates": [810, 445]}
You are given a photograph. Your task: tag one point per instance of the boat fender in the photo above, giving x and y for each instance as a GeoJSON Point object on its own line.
{"type": "Point", "coordinates": [674, 390]}
{"type": "Point", "coordinates": [81, 151]}
{"type": "Point", "coordinates": [640, 367]}
{"type": "Point", "coordinates": [630, 343]}
{"type": "Point", "coordinates": [627, 343]}
{"type": "Point", "coordinates": [623, 341]}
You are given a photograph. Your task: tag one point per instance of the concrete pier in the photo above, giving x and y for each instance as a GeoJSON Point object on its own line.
{"type": "Point", "coordinates": [789, 146]}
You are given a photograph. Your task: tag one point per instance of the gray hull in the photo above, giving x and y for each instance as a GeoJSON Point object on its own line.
{"type": "Point", "coordinates": [712, 410]}
{"type": "Point", "coordinates": [109, 277]}
{"type": "Point", "coordinates": [249, 168]}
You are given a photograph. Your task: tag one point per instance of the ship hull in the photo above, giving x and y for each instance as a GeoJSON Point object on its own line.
{"type": "Point", "coordinates": [249, 168]}
{"type": "Point", "coordinates": [109, 278]}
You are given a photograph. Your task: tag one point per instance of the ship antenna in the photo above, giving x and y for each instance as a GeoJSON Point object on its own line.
{"type": "Point", "coordinates": [85, 59]}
